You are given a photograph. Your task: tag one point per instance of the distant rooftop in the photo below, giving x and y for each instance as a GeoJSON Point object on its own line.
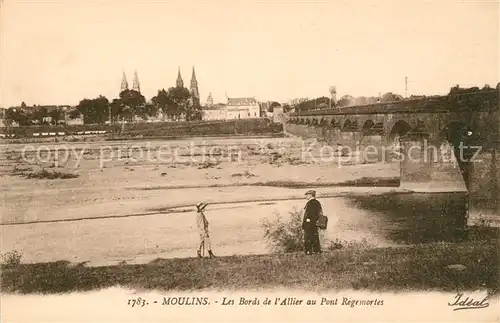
{"type": "Point", "coordinates": [241, 101]}
{"type": "Point", "coordinates": [52, 106]}
{"type": "Point", "coordinates": [215, 106]}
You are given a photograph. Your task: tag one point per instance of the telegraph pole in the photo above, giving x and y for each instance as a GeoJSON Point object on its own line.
{"type": "Point", "coordinates": [406, 87]}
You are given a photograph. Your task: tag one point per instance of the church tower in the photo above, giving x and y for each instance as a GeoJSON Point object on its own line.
{"type": "Point", "coordinates": [124, 85]}
{"type": "Point", "coordinates": [179, 81]}
{"type": "Point", "coordinates": [194, 86]}
{"type": "Point", "coordinates": [135, 85]}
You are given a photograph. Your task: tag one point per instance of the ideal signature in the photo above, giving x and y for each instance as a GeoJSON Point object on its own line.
{"type": "Point", "coordinates": [465, 303]}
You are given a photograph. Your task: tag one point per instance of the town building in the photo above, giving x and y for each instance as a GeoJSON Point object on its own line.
{"type": "Point", "coordinates": [210, 100]}
{"type": "Point", "coordinates": [297, 101]}
{"type": "Point", "coordinates": [278, 116]}
{"type": "Point", "coordinates": [242, 108]}
{"type": "Point", "coordinates": [214, 112]}
{"type": "Point", "coordinates": [236, 108]}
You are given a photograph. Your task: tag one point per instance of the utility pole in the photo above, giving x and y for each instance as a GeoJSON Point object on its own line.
{"type": "Point", "coordinates": [406, 87]}
{"type": "Point", "coordinates": [109, 114]}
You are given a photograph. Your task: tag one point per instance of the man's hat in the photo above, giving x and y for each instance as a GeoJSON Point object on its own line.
{"type": "Point", "coordinates": [312, 192]}
{"type": "Point", "coordinates": [200, 206]}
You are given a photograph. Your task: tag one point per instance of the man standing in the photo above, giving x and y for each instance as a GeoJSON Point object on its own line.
{"type": "Point", "coordinates": [202, 224]}
{"type": "Point", "coordinates": [311, 214]}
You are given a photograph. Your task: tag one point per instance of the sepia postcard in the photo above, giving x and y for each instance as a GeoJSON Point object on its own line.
{"type": "Point", "coordinates": [249, 161]}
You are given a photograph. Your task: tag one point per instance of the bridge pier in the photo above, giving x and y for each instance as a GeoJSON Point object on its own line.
{"type": "Point", "coordinates": [425, 167]}
{"type": "Point", "coordinates": [415, 162]}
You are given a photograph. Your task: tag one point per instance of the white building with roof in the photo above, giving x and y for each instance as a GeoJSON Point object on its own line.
{"type": "Point", "coordinates": [214, 112]}
{"type": "Point", "coordinates": [242, 108]}
{"type": "Point", "coordinates": [236, 108]}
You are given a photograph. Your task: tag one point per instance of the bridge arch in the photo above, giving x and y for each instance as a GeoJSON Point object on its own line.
{"type": "Point", "coordinates": [420, 127]}
{"type": "Point", "coordinates": [378, 128]}
{"type": "Point", "coordinates": [367, 127]}
{"type": "Point", "coordinates": [346, 125]}
{"type": "Point", "coordinates": [334, 124]}
{"type": "Point", "coordinates": [350, 126]}
{"type": "Point", "coordinates": [308, 121]}
{"type": "Point", "coordinates": [399, 129]}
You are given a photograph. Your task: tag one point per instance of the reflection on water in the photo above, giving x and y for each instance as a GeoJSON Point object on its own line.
{"type": "Point", "coordinates": [417, 217]}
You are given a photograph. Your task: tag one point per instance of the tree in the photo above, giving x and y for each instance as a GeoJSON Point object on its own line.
{"type": "Point", "coordinates": [160, 101]}
{"type": "Point", "coordinates": [322, 101]}
{"type": "Point", "coordinates": [391, 97]}
{"type": "Point", "coordinates": [150, 109]}
{"type": "Point", "coordinates": [75, 113]}
{"type": "Point", "coordinates": [287, 108]}
{"type": "Point", "coordinates": [273, 105]}
{"type": "Point", "coordinates": [192, 109]}
{"type": "Point", "coordinates": [345, 101]}
{"type": "Point", "coordinates": [18, 116]}
{"type": "Point", "coordinates": [117, 109]}
{"type": "Point", "coordinates": [134, 103]}
{"type": "Point", "coordinates": [94, 110]}
{"type": "Point", "coordinates": [307, 106]}
{"type": "Point", "coordinates": [38, 113]}
{"type": "Point", "coordinates": [177, 102]}
{"type": "Point", "coordinates": [57, 114]}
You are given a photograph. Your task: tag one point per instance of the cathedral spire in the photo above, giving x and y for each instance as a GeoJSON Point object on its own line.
{"type": "Point", "coordinates": [179, 82]}
{"type": "Point", "coordinates": [124, 85]}
{"type": "Point", "coordinates": [135, 85]}
{"type": "Point", "coordinates": [194, 86]}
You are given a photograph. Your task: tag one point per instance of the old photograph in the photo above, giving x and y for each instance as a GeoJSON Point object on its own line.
{"type": "Point", "coordinates": [273, 161]}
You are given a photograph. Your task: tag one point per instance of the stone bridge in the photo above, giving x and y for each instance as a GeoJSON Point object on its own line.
{"type": "Point", "coordinates": [438, 119]}
{"type": "Point", "coordinates": [469, 120]}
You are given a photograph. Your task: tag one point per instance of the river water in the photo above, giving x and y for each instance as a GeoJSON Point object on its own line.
{"type": "Point", "coordinates": [375, 220]}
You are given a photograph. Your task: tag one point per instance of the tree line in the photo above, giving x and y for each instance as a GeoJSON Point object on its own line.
{"type": "Point", "coordinates": [345, 101]}
{"type": "Point", "coordinates": [457, 98]}
{"type": "Point", "coordinates": [176, 103]}
{"type": "Point", "coordinates": [25, 116]}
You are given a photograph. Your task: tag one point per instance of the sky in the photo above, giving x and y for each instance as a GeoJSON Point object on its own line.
{"type": "Point", "coordinates": [59, 52]}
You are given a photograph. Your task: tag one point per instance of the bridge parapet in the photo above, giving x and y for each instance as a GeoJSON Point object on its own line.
{"type": "Point", "coordinates": [483, 100]}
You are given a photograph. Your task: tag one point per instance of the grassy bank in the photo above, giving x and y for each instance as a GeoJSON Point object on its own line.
{"type": "Point", "coordinates": [417, 267]}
